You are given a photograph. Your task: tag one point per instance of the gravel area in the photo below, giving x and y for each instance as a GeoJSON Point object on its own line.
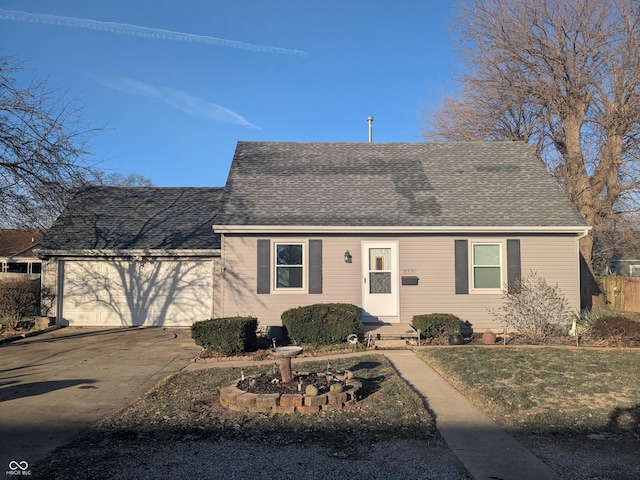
{"type": "Point", "coordinates": [241, 460]}
{"type": "Point", "coordinates": [589, 457]}
{"type": "Point", "coordinates": [580, 458]}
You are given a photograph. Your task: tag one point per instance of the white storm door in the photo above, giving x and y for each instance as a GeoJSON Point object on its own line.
{"type": "Point", "coordinates": [380, 279]}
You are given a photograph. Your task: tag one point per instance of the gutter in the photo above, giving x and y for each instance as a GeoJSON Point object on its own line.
{"type": "Point", "coordinates": [128, 253]}
{"type": "Point", "coordinates": [577, 229]}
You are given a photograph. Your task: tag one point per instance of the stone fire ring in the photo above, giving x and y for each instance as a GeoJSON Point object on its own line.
{"type": "Point", "coordinates": [238, 400]}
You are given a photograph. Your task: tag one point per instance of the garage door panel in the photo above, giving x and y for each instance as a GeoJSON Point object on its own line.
{"type": "Point", "coordinates": [121, 293]}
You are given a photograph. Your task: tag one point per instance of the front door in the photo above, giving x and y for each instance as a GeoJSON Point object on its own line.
{"type": "Point", "coordinates": [380, 280]}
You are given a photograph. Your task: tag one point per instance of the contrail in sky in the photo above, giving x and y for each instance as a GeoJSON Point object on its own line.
{"type": "Point", "coordinates": [137, 31]}
{"type": "Point", "coordinates": [194, 106]}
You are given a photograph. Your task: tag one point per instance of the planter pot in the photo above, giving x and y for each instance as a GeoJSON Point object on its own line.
{"type": "Point", "coordinates": [488, 337]}
{"type": "Point", "coordinates": [456, 339]}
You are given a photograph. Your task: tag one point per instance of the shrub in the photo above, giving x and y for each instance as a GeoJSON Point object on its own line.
{"type": "Point", "coordinates": [322, 323]}
{"type": "Point", "coordinates": [617, 331]}
{"type": "Point", "coordinates": [18, 298]}
{"type": "Point", "coordinates": [228, 336]}
{"type": "Point", "coordinates": [533, 308]}
{"type": "Point", "coordinates": [436, 325]}
{"type": "Point", "coordinates": [586, 319]}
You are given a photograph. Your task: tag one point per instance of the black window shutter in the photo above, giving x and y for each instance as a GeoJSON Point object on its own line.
{"type": "Point", "coordinates": [513, 262]}
{"type": "Point", "coordinates": [264, 266]}
{"type": "Point", "coordinates": [462, 266]}
{"type": "Point", "coordinates": [315, 266]}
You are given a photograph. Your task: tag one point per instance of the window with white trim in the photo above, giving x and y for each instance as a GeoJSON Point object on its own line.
{"type": "Point", "coordinates": [486, 266]}
{"type": "Point", "coordinates": [289, 266]}
{"type": "Point", "coordinates": [634, 270]}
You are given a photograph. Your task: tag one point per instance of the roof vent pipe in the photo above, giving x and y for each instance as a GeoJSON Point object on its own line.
{"type": "Point", "coordinates": [370, 120]}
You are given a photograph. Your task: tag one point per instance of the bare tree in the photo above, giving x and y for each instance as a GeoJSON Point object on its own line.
{"type": "Point", "coordinates": [43, 150]}
{"type": "Point", "coordinates": [117, 179]}
{"type": "Point", "coordinates": [564, 76]}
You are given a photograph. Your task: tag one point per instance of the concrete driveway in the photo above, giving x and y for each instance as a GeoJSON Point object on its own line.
{"type": "Point", "coordinates": [54, 385]}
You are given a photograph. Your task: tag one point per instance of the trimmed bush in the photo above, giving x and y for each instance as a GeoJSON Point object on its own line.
{"type": "Point", "coordinates": [436, 325]}
{"type": "Point", "coordinates": [617, 331]}
{"type": "Point", "coordinates": [322, 323]}
{"type": "Point", "coordinates": [227, 336]}
{"type": "Point", "coordinates": [18, 298]}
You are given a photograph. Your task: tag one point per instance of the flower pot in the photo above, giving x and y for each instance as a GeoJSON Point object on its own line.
{"type": "Point", "coordinates": [488, 337]}
{"type": "Point", "coordinates": [456, 339]}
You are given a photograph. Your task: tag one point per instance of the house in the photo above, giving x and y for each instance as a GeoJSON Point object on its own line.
{"type": "Point", "coordinates": [17, 259]}
{"type": "Point", "coordinates": [134, 256]}
{"type": "Point", "coordinates": [398, 229]}
{"type": "Point", "coordinates": [620, 249]}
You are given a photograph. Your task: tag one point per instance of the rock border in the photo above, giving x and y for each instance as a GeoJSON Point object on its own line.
{"type": "Point", "coordinates": [238, 400]}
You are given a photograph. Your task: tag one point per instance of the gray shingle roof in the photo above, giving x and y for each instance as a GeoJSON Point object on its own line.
{"type": "Point", "coordinates": [131, 218]}
{"type": "Point", "coordinates": [392, 184]}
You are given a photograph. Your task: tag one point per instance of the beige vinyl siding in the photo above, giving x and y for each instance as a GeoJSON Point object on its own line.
{"type": "Point", "coordinates": [430, 258]}
{"type": "Point", "coordinates": [49, 283]}
{"type": "Point", "coordinates": [340, 280]}
{"type": "Point", "coordinates": [553, 257]}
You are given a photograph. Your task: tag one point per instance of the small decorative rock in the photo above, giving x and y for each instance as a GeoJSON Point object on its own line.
{"type": "Point", "coordinates": [348, 374]}
{"type": "Point", "coordinates": [335, 388]}
{"type": "Point", "coordinates": [311, 391]}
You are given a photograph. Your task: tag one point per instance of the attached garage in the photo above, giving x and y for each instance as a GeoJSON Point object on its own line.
{"type": "Point", "coordinates": [134, 256]}
{"type": "Point", "coordinates": [130, 293]}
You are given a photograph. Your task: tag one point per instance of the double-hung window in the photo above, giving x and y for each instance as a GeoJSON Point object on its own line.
{"type": "Point", "coordinates": [486, 266]}
{"type": "Point", "coordinates": [289, 266]}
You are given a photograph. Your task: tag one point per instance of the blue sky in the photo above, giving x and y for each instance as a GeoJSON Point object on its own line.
{"type": "Point", "coordinates": [177, 83]}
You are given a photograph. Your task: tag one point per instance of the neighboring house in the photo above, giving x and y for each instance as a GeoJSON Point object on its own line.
{"type": "Point", "coordinates": [625, 265]}
{"type": "Point", "coordinates": [131, 256]}
{"type": "Point", "coordinates": [17, 259]}
{"type": "Point", "coordinates": [398, 229]}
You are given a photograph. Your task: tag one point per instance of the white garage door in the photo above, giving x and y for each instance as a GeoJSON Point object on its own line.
{"type": "Point", "coordinates": [131, 293]}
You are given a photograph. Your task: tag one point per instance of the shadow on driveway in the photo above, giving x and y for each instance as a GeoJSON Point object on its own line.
{"type": "Point", "coordinates": [14, 392]}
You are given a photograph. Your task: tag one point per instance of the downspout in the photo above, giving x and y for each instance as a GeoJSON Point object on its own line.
{"type": "Point", "coordinates": [579, 272]}
{"type": "Point", "coordinates": [584, 234]}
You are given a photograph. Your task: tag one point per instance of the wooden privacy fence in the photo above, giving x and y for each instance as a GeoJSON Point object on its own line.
{"type": "Point", "coordinates": [621, 293]}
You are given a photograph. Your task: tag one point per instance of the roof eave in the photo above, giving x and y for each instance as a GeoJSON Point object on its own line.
{"type": "Point", "coordinates": [111, 253]}
{"type": "Point", "coordinates": [248, 229]}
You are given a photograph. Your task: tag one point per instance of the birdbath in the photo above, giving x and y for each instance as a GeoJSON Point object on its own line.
{"type": "Point", "coordinates": [285, 354]}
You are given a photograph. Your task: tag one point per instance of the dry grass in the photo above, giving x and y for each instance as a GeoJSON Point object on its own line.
{"type": "Point", "coordinates": [547, 390]}
{"type": "Point", "coordinates": [189, 402]}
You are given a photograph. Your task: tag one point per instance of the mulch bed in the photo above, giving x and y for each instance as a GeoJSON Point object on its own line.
{"type": "Point", "coordinates": [270, 383]}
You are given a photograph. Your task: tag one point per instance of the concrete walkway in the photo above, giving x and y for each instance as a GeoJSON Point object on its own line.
{"type": "Point", "coordinates": [486, 451]}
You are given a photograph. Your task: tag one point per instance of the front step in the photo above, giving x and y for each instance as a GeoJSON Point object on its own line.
{"type": "Point", "coordinates": [388, 335]}
{"type": "Point", "coordinates": [390, 344]}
